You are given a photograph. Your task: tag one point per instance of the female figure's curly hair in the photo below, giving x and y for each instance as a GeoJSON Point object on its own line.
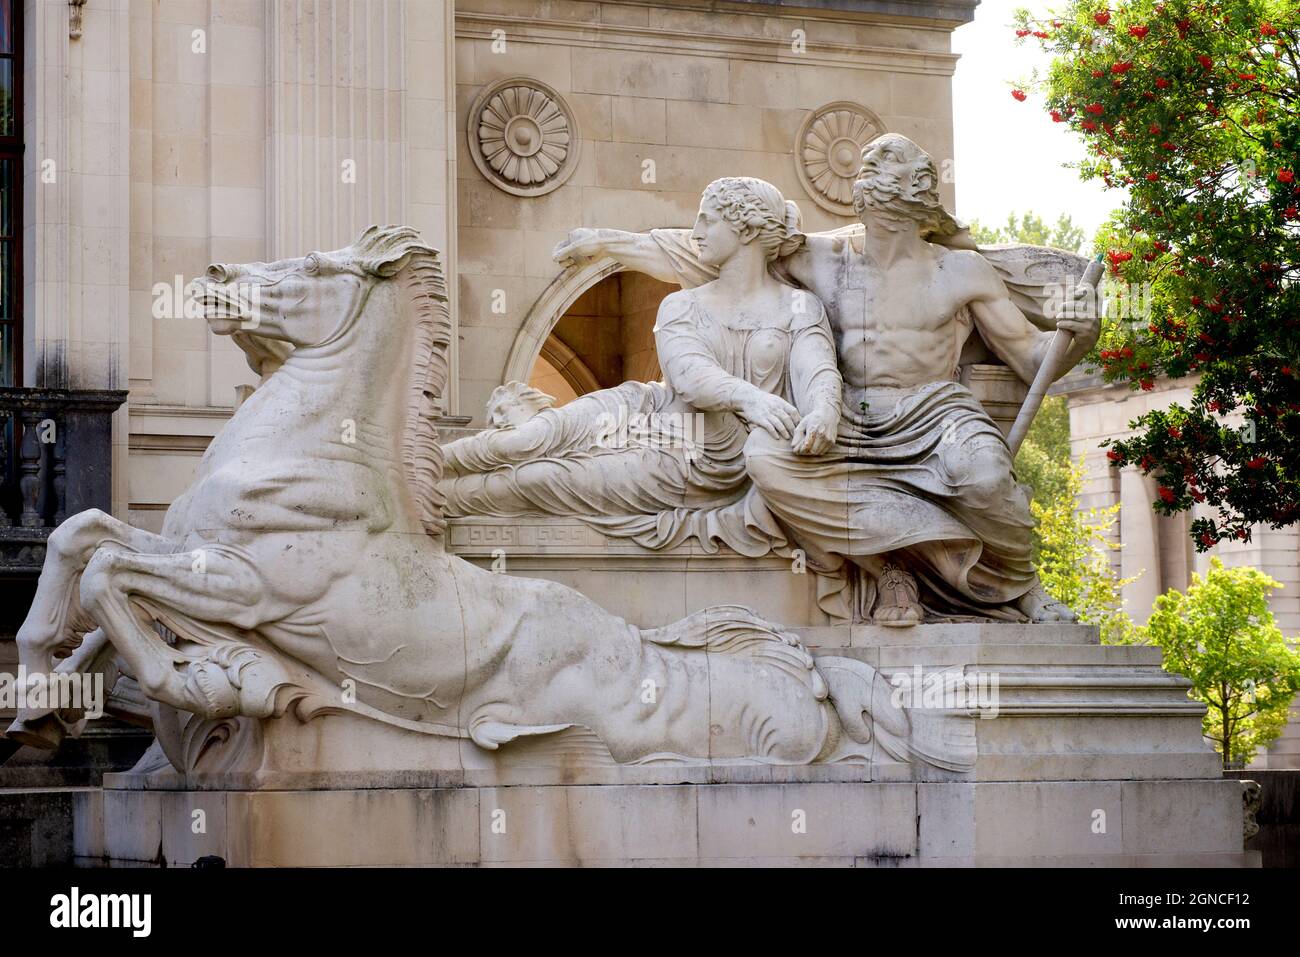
{"type": "Point", "coordinates": [755, 209]}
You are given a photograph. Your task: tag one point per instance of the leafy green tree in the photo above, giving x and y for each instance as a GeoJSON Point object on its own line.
{"type": "Point", "coordinates": [1074, 559]}
{"type": "Point", "coordinates": [1030, 228]}
{"type": "Point", "coordinates": [1193, 110]}
{"type": "Point", "coordinates": [1221, 635]}
{"type": "Point", "coordinates": [1043, 462]}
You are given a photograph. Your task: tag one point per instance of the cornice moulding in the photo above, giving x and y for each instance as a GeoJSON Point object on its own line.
{"type": "Point", "coordinates": [479, 26]}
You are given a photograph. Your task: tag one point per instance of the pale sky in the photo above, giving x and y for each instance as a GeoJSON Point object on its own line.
{"type": "Point", "coordinates": [1009, 154]}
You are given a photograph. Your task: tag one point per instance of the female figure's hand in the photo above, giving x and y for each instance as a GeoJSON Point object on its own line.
{"type": "Point", "coordinates": [580, 246]}
{"type": "Point", "coordinates": [765, 411]}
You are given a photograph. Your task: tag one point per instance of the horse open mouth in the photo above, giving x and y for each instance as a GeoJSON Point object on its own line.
{"type": "Point", "coordinates": [225, 311]}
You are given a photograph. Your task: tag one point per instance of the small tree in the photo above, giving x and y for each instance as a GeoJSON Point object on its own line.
{"type": "Point", "coordinates": [1221, 635]}
{"type": "Point", "coordinates": [1043, 462]}
{"type": "Point", "coordinates": [1074, 560]}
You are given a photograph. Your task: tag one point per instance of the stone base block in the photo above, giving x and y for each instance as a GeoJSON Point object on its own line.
{"type": "Point", "coordinates": [669, 584]}
{"type": "Point", "coordinates": [810, 823]}
{"type": "Point", "coordinates": [36, 825]}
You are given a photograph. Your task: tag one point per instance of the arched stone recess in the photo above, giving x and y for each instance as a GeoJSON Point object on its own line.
{"type": "Point", "coordinates": [570, 366]}
{"type": "Point", "coordinates": [554, 301]}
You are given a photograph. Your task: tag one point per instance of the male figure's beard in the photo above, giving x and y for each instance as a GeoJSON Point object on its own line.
{"type": "Point", "coordinates": [883, 195]}
{"type": "Point", "coordinates": [882, 202]}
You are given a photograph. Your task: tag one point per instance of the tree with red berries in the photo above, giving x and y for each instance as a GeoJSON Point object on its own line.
{"type": "Point", "coordinates": [1193, 109]}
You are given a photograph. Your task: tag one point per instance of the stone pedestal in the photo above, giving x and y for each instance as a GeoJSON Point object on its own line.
{"type": "Point", "coordinates": [649, 588]}
{"type": "Point", "coordinates": [1089, 755]}
{"type": "Point", "coordinates": [1195, 823]}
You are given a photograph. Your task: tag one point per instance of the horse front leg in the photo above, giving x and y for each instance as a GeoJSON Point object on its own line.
{"type": "Point", "coordinates": [223, 589]}
{"type": "Point", "coordinates": [56, 615]}
{"type": "Point", "coordinates": [56, 619]}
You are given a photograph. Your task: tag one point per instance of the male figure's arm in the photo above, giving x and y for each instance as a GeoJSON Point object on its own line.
{"type": "Point", "coordinates": [1012, 337]}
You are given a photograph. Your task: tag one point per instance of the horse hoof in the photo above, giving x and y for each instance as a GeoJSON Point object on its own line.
{"type": "Point", "coordinates": [45, 733]}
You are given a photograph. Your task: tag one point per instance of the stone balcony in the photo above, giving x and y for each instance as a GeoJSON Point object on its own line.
{"type": "Point", "coordinates": [55, 461]}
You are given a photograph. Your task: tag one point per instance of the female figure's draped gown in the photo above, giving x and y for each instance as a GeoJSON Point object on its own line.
{"type": "Point", "coordinates": [639, 460]}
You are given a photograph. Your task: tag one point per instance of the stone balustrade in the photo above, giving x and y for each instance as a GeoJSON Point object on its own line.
{"type": "Point", "coordinates": [55, 460]}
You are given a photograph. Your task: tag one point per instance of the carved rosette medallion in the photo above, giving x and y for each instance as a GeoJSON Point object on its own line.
{"type": "Point", "coordinates": [523, 136]}
{"type": "Point", "coordinates": [828, 152]}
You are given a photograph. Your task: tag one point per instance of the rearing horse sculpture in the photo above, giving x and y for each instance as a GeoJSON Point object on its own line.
{"type": "Point", "coordinates": [307, 558]}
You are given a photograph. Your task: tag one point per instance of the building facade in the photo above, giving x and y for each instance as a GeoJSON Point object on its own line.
{"type": "Point", "coordinates": [1157, 551]}
{"type": "Point", "coordinates": [160, 137]}
{"type": "Point", "coordinates": [142, 140]}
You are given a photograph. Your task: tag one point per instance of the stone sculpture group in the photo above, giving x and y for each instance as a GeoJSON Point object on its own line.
{"type": "Point", "coordinates": [824, 369]}
{"type": "Point", "coordinates": [809, 401]}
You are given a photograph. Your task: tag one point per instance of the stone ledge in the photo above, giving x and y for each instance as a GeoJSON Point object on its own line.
{"type": "Point", "coordinates": [672, 583]}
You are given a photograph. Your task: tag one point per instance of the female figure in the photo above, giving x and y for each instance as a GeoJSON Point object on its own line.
{"type": "Point", "coordinates": [744, 351]}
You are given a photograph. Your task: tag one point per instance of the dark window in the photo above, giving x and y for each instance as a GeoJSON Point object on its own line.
{"type": "Point", "coordinates": [11, 182]}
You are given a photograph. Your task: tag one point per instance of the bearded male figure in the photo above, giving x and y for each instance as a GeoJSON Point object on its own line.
{"type": "Point", "coordinates": [918, 488]}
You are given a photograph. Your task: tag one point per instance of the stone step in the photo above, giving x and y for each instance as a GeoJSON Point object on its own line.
{"type": "Point", "coordinates": [963, 634]}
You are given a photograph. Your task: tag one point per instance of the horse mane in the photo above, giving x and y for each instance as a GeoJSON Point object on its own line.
{"type": "Point", "coordinates": [396, 252]}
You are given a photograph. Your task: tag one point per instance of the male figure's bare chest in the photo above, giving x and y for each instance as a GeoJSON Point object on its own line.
{"type": "Point", "coordinates": [905, 297]}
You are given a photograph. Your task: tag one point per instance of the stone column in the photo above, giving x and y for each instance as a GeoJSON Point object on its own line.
{"type": "Point", "coordinates": [76, 204]}
{"type": "Point", "coordinates": [430, 30]}
{"type": "Point", "coordinates": [358, 112]}
{"type": "Point", "coordinates": [335, 85]}
{"type": "Point", "coordinates": [1138, 531]}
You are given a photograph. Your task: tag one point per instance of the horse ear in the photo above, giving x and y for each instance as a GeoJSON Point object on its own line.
{"type": "Point", "coordinates": [385, 251]}
{"type": "Point", "coordinates": [386, 267]}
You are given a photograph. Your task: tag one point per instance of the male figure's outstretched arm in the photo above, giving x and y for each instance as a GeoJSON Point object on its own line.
{"type": "Point", "coordinates": [668, 254]}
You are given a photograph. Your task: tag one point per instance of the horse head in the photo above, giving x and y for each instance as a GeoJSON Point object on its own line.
{"type": "Point", "coordinates": [380, 301]}
{"type": "Point", "coordinates": [310, 300]}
